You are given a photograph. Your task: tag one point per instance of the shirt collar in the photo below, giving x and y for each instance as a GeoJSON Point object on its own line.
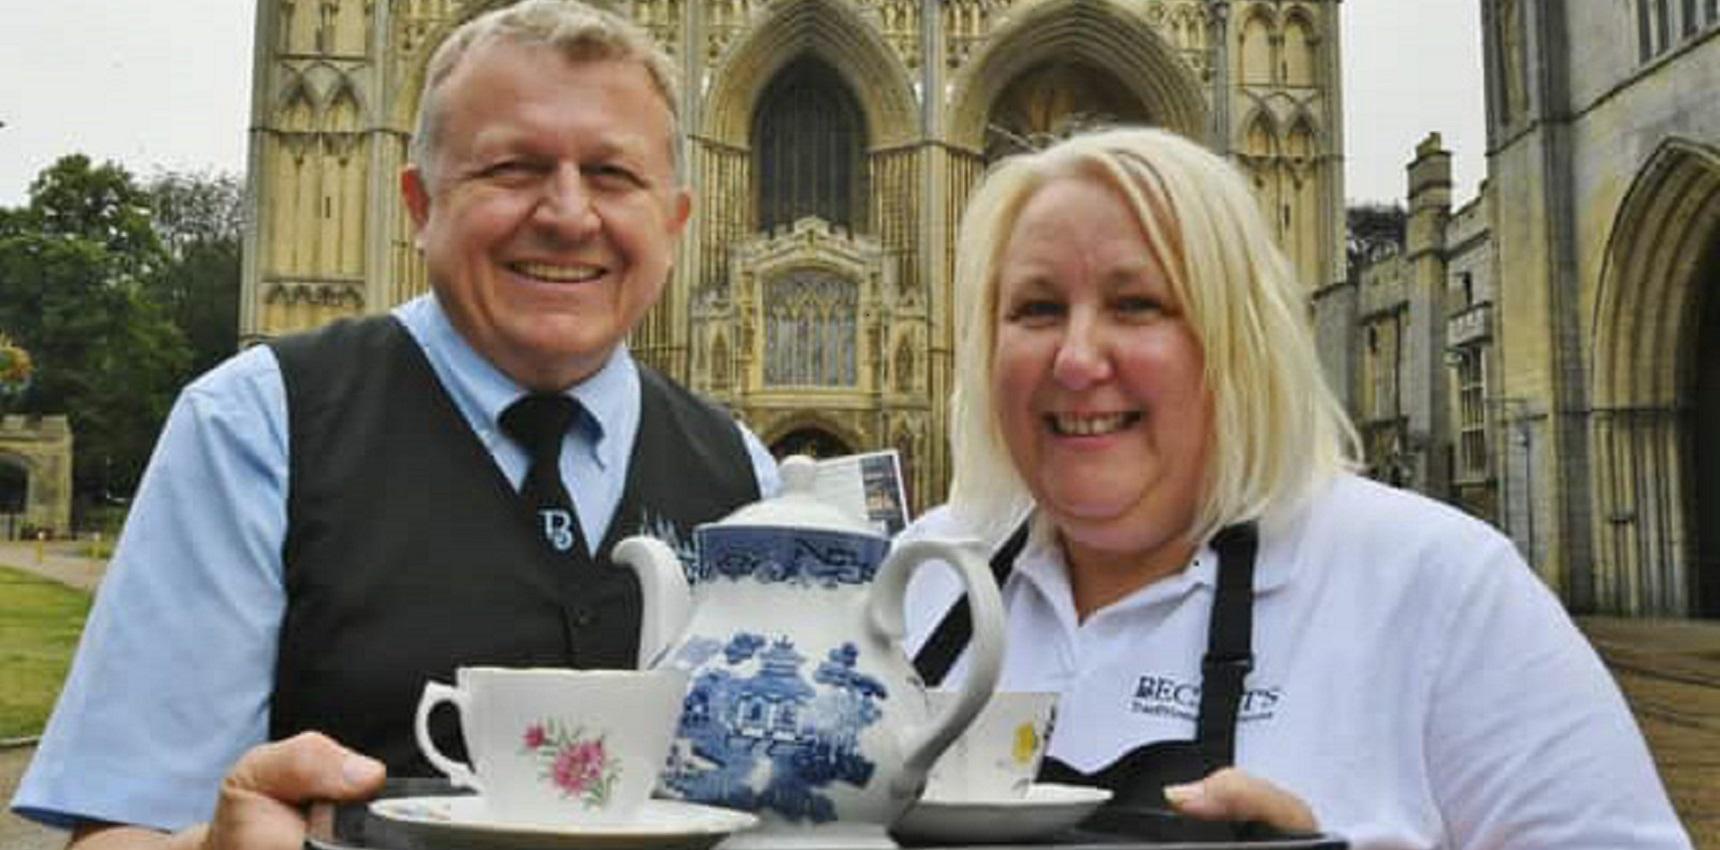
{"type": "Point", "coordinates": [610, 396]}
{"type": "Point", "coordinates": [1042, 565]}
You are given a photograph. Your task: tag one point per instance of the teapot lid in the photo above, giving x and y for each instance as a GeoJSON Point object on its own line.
{"type": "Point", "coordinates": [798, 505]}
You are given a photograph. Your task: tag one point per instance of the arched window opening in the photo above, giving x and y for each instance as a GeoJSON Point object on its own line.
{"type": "Point", "coordinates": [810, 441]}
{"type": "Point", "coordinates": [810, 330]}
{"type": "Point", "coordinates": [809, 137]}
{"type": "Point", "coordinates": [1054, 100]}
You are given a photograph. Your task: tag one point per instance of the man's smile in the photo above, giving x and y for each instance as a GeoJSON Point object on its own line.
{"type": "Point", "coordinates": [577, 273]}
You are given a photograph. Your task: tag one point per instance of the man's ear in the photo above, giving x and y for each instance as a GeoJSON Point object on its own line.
{"type": "Point", "coordinates": [417, 197]}
{"type": "Point", "coordinates": [683, 210]}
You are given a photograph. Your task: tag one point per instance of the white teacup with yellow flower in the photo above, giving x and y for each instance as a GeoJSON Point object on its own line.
{"type": "Point", "coordinates": [999, 754]}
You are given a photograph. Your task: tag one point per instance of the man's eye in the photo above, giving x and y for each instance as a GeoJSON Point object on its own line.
{"type": "Point", "coordinates": [610, 172]}
{"type": "Point", "coordinates": [511, 169]}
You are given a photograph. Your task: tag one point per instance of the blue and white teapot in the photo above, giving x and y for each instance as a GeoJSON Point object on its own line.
{"type": "Point", "coordinates": [801, 703]}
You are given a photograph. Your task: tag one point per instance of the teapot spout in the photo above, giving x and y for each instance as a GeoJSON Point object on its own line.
{"type": "Point", "coordinates": [668, 600]}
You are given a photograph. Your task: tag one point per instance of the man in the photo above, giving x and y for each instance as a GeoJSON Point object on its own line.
{"type": "Point", "coordinates": [332, 519]}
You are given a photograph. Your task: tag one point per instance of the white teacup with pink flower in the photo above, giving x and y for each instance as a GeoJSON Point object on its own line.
{"type": "Point", "coordinates": [555, 746]}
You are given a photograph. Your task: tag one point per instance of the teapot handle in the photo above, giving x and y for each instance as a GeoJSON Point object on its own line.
{"type": "Point", "coordinates": [985, 652]}
{"type": "Point", "coordinates": [668, 599]}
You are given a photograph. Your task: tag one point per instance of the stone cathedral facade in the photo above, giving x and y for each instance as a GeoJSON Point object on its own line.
{"type": "Point", "coordinates": [1548, 354]}
{"type": "Point", "coordinates": [830, 145]}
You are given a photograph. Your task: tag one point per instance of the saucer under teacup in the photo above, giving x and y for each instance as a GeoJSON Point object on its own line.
{"type": "Point", "coordinates": [1047, 809]}
{"type": "Point", "coordinates": [464, 821]}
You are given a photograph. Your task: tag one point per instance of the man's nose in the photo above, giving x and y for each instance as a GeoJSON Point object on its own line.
{"type": "Point", "coordinates": [566, 205]}
{"type": "Point", "coordinates": [1083, 354]}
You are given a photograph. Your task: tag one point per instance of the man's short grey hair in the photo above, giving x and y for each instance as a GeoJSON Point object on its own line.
{"type": "Point", "coordinates": [1277, 429]}
{"type": "Point", "coordinates": [581, 32]}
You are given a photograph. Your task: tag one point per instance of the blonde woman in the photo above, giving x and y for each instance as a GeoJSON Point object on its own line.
{"type": "Point", "coordinates": [1240, 627]}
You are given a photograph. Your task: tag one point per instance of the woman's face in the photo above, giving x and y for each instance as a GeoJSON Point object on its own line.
{"type": "Point", "coordinates": [1097, 379]}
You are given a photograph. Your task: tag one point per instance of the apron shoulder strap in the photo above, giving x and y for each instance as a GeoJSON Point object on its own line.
{"type": "Point", "coordinates": [1229, 654]}
{"type": "Point", "coordinates": [940, 651]}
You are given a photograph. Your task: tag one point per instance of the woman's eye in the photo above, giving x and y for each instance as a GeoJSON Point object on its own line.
{"type": "Point", "coordinates": [1034, 310]}
{"type": "Point", "coordinates": [1137, 305]}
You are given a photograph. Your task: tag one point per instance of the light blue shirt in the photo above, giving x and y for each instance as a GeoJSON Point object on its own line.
{"type": "Point", "coordinates": [172, 678]}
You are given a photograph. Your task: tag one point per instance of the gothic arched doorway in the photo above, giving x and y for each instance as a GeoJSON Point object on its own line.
{"type": "Point", "coordinates": [1656, 473]}
{"type": "Point", "coordinates": [14, 495]}
{"type": "Point", "coordinates": [810, 441]}
{"type": "Point", "coordinates": [1056, 99]}
{"type": "Point", "coordinates": [1705, 415]}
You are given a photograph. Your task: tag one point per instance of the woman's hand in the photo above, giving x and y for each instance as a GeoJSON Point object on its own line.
{"type": "Point", "coordinates": [1230, 794]}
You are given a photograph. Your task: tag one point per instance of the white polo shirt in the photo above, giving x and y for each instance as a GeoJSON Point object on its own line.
{"type": "Point", "coordinates": [1414, 681]}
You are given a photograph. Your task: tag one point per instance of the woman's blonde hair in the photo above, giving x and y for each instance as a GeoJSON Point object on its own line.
{"type": "Point", "coordinates": [1277, 428]}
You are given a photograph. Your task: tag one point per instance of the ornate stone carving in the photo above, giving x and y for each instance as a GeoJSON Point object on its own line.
{"type": "Point", "coordinates": [899, 21]}
{"type": "Point", "coordinates": [341, 294]}
{"type": "Point", "coordinates": [724, 20]}
{"type": "Point", "coordinates": [660, 18]}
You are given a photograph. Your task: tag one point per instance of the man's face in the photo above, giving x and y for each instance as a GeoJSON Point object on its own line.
{"type": "Point", "coordinates": [549, 214]}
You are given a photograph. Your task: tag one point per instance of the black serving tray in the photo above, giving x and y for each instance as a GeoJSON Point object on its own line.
{"type": "Point", "coordinates": [351, 827]}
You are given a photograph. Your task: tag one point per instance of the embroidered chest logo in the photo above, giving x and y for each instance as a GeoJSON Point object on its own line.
{"type": "Point", "coordinates": [557, 527]}
{"type": "Point", "coordinates": [1169, 696]}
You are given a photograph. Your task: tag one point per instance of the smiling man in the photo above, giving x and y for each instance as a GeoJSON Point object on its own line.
{"type": "Point", "coordinates": [335, 517]}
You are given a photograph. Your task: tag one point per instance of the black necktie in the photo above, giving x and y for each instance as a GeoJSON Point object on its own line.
{"type": "Point", "coordinates": [538, 423]}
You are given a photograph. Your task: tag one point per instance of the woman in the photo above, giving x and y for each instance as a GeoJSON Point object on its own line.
{"type": "Point", "coordinates": [1200, 575]}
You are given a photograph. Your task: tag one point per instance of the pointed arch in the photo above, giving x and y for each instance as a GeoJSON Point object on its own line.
{"type": "Point", "coordinates": [297, 108]}
{"type": "Point", "coordinates": [1083, 32]}
{"type": "Point", "coordinates": [808, 137]}
{"type": "Point", "coordinates": [837, 35]}
{"type": "Point", "coordinates": [904, 364]}
{"type": "Point", "coordinates": [343, 111]}
{"type": "Point", "coordinates": [1303, 141]}
{"type": "Point", "coordinates": [1299, 66]}
{"type": "Point", "coordinates": [811, 422]}
{"type": "Point", "coordinates": [720, 371]}
{"type": "Point", "coordinates": [1656, 479]}
{"type": "Point", "coordinates": [1254, 46]}
{"type": "Point", "coordinates": [1668, 217]}
{"type": "Point", "coordinates": [1260, 134]}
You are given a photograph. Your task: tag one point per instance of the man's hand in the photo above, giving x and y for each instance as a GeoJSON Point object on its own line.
{"type": "Point", "coordinates": [262, 799]}
{"type": "Point", "coordinates": [1230, 794]}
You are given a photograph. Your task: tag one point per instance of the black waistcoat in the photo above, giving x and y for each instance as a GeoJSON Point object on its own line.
{"type": "Point", "coordinates": [408, 553]}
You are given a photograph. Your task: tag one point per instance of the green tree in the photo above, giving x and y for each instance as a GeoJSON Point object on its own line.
{"type": "Point", "coordinates": [200, 219]}
{"type": "Point", "coordinates": [74, 267]}
{"type": "Point", "coordinates": [1374, 231]}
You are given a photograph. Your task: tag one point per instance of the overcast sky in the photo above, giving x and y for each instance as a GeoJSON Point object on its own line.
{"type": "Point", "coordinates": [165, 84]}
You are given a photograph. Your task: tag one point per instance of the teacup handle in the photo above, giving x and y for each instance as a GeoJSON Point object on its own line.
{"type": "Point", "coordinates": [434, 692]}
{"type": "Point", "coordinates": [985, 651]}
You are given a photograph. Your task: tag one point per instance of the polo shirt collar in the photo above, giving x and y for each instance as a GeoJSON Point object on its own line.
{"type": "Point", "coordinates": [1042, 565]}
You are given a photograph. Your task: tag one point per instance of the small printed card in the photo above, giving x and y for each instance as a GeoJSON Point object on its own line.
{"type": "Point", "coordinates": [868, 485]}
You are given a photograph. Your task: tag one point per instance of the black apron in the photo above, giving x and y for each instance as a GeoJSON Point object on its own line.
{"type": "Point", "coordinates": [1137, 779]}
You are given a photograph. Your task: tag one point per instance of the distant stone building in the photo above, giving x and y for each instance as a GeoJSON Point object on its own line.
{"type": "Point", "coordinates": [35, 475]}
{"type": "Point", "coordinates": [831, 145]}
{"type": "Point", "coordinates": [1549, 355]}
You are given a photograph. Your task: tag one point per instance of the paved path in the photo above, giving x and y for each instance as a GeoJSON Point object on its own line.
{"type": "Point", "coordinates": [15, 832]}
{"type": "Point", "coordinates": [1669, 670]}
{"type": "Point", "coordinates": [63, 561]}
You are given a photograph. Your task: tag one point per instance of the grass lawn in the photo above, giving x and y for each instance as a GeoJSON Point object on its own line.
{"type": "Point", "coordinates": [40, 621]}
